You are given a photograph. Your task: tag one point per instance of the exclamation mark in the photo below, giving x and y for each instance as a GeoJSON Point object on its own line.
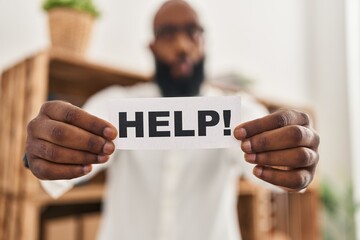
{"type": "Point", "coordinates": [227, 117]}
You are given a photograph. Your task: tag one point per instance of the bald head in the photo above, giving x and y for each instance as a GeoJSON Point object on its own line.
{"type": "Point", "coordinates": [173, 8]}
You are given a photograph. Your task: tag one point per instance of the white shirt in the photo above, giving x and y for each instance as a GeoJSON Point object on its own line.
{"type": "Point", "coordinates": [171, 194]}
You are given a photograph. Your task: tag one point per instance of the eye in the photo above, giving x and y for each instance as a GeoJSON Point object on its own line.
{"type": "Point", "coordinates": [166, 32]}
{"type": "Point", "coordinates": [193, 31]}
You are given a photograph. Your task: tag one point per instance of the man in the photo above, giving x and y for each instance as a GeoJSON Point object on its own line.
{"type": "Point", "coordinates": [170, 194]}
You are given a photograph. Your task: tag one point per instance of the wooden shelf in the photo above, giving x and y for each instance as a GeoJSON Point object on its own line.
{"type": "Point", "coordinates": [75, 79]}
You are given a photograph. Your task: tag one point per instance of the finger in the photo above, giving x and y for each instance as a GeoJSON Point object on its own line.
{"type": "Point", "coordinates": [57, 154]}
{"type": "Point", "coordinates": [69, 136]}
{"type": "Point", "coordinates": [270, 122]}
{"type": "Point", "coordinates": [295, 179]}
{"type": "Point", "coordinates": [68, 113]}
{"type": "Point", "coordinates": [295, 158]}
{"type": "Point", "coordinates": [46, 170]}
{"type": "Point", "coordinates": [280, 139]}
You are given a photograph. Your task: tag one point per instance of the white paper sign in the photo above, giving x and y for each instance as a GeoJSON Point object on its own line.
{"type": "Point", "coordinates": [168, 123]}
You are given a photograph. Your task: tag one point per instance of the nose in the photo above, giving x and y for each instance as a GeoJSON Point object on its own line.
{"type": "Point", "coordinates": [182, 44]}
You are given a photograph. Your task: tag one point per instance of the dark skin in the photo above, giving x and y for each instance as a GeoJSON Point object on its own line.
{"type": "Point", "coordinates": [178, 40]}
{"type": "Point", "coordinates": [64, 141]}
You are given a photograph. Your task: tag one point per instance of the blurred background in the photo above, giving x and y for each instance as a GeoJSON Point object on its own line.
{"type": "Point", "coordinates": [298, 53]}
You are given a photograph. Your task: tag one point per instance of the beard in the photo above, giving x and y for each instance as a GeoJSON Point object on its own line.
{"type": "Point", "coordinates": [181, 86]}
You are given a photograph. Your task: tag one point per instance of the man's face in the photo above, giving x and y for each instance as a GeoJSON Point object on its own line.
{"type": "Point", "coordinates": [178, 39]}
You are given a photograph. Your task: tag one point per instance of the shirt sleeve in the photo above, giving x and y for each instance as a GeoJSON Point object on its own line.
{"type": "Point", "coordinates": [56, 188]}
{"type": "Point", "coordinates": [95, 106]}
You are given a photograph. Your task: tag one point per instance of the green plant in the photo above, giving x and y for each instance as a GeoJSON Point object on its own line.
{"type": "Point", "coordinates": [80, 5]}
{"type": "Point", "coordinates": [339, 211]}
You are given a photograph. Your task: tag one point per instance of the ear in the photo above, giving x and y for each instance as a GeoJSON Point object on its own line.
{"type": "Point", "coordinates": [152, 47]}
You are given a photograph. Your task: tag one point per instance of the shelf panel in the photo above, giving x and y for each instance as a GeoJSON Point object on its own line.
{"type": "Point", "coordinates": [74, 79]}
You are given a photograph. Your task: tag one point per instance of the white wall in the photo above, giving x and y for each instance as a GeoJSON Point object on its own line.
{"type": "Point", "coordinates": [328, 86]}
{"type": "Point", "coordinates": [262, 39]}
{"type": "Point", "coordinates": [353, 59]}
{"type": "Point", "coordinates": [23, 30]}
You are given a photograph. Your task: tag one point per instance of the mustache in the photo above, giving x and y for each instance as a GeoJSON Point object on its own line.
{"type": "Point", "coordinates": [183, 58]}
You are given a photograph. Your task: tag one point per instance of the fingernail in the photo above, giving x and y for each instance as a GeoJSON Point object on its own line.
{"type": "Point", "coordinates": [246, 146]}
{"type": "Point", "coordinates": [87, 169]}
{"type": "Point", "coordinates": [258, 171]}
{"type": "Point", "coordinates": [102, 158]}
{"type": "Point", "coordinates": [109, 133]}
{"type": "Point", "coordinates": [240, 133]}
{"type": "Point", "coordinates": [108, 148]}
{"type": "Point", "coordinates": [250, 157]}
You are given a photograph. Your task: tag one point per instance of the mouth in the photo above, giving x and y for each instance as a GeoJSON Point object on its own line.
{"type": "Point", "coordinates": [182, 68]}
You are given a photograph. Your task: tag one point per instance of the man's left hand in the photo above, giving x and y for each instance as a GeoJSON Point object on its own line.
{"type": "Point", "coordinates": [283, 147]}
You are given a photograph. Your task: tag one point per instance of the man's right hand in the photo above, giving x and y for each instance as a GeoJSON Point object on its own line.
{"type": "Point", "coordinates": [64, 140]}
